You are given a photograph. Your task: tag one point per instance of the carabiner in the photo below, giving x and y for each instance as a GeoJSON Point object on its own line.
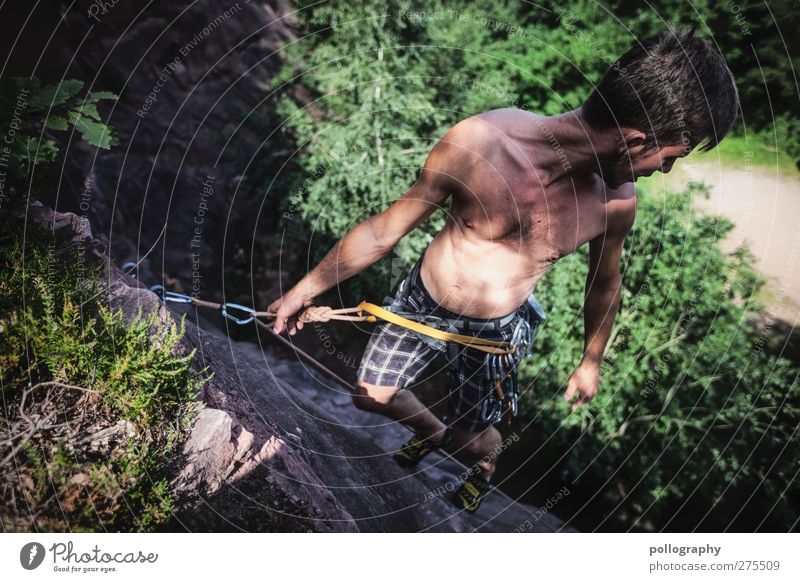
{"type": "Point", "coordinates": [129, 267]}
{"type": "Point", "coordinates": [165, 295]}
{"type": "Point", "coordinates": [238, 321]}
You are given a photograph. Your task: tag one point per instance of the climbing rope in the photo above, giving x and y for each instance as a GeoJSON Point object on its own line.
{"type": "Point", "coordinates": [323, 314]}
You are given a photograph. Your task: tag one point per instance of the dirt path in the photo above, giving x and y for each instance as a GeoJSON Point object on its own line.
{"type": "Point", "coordinates": [765, 206]}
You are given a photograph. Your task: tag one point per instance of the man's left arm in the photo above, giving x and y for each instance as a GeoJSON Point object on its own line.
{"type": "Point", "coordinates": [603, 285]}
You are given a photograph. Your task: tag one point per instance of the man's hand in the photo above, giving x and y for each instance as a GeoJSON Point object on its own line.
{"type": "Point", "coordinates": [585, 380]}
{"type": "Point", "coordinates": [288, 306]}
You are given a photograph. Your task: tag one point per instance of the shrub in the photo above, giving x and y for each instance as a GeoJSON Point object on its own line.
{"type": "Point", "coordinates": [93, 407]}
{"type": "Point", "coordinates": [692, 409]}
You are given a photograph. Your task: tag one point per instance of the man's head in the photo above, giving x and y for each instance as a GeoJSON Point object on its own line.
{"type": "Point", "coordinates": [662, 98]}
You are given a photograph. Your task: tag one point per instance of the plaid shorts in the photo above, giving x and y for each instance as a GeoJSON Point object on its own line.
{"type": "Point", "coordinates": [395, 356]}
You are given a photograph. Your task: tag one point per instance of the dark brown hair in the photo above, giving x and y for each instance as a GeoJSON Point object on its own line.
{"type": "Point", "coordinates": [674, 87]}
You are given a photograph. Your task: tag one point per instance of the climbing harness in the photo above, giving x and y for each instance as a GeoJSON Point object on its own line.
{"type": "Point", "coordinates": [499, 364]}
{"type": "Point", "coordinates": [323, 313]}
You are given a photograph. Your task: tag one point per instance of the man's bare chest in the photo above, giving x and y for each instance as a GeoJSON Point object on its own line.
{"type": "Point", "coordinates": [554, 220]}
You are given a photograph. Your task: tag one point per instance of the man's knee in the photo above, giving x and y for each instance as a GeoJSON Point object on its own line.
{"type": "Point", "coordinates": [481, 444]}
{"type": "Point", "coordinates": [373, 398]}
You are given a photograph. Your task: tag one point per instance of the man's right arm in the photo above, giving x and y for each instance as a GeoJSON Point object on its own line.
{"type": "Point", "coordinates": [373, 238]}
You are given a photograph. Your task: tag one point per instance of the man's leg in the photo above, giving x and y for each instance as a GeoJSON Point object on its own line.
{"type": "Point", "coordinates": [482, 448]}
{"type": "Point", "coordinates": [399, 405]}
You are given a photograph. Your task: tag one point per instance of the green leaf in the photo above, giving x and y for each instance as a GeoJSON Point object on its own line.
{"type": "Point", "coordinates": [54, 95]}
{"type": "Point", "coordinates": [88, 110]}
{"type": "Point", "coordinates": [96, 96]}
{"type": "Point", "coordinates": [57, 122]}
{"type": "Point", "coordinates": [93, 132]}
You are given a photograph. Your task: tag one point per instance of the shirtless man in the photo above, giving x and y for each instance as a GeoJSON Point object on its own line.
{"type": "Point", "coordinates": [526, 190]}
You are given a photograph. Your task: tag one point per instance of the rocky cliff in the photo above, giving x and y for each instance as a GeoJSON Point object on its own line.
{"type": "Point", "coordinates": [276, 446]}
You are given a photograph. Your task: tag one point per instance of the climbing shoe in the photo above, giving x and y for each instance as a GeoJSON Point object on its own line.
{"type": "Point", "coordinates": [417, 448]}
{"type": "Point", "coordinates": [471, 493]}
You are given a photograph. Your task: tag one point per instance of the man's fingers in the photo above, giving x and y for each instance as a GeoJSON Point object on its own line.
{"type": "Point", "coordinates": [572, 387]}
{"type": "Point", "coordinates": [281, 321]}
{"type": "Point", "coordinates": [275, 306]}
{"type": "Point", "coordinates": [581, 401]}
{"type": "Point", "coordinates": [286, 315]}
{"type": "Point", "coordinates": [290, 324]}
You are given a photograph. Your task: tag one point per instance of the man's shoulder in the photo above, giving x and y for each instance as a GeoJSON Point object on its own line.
{"type": "Point", "coordinates": [472, 130]}
{"type": "Point", "coordinates": [463, 145]}
{"type": "Point", "coordinates": [496, 122]}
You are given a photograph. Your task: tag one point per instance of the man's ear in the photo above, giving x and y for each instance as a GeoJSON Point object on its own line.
{"type": "Point", "coordinates": [630, 142]}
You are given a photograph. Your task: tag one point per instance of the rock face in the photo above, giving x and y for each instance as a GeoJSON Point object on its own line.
{"type": "Point", "coordinates": [191, 78]}
{"type": "Point", "coordinates": [279, 447]}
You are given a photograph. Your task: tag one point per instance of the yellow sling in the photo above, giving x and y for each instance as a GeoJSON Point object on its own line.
{"type": "Point", "coordinates": [484, 345]}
